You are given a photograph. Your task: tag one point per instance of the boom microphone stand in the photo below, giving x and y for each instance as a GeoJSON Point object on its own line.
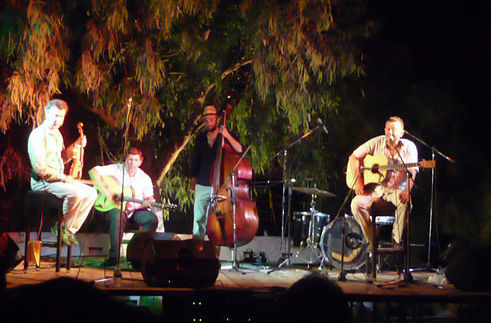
{"type": "Point", "coordinates": [432, 193]}
{"type": "Point", "coordinates": [284, 151]}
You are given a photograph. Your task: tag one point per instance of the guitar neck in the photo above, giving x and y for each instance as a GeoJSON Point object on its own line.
{"type": "Point", "coordinates": [154, 204]}
{"type": "Point", "coordinates": [397, 166]}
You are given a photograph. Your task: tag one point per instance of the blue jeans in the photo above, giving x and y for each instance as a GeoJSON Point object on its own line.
{"type": "Point", "coordinates": [143, 217]}
{"type": "Point", "coordinates": [201, 202]}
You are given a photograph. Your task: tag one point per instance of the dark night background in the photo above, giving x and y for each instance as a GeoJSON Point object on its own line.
{"type": "Point", "coordinates": [428, 62]}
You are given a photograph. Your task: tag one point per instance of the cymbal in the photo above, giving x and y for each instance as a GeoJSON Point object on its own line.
{"type": "Point", "coordinates": [313, 191]}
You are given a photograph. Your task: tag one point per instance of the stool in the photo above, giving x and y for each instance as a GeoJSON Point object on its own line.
{"type": "Point", "coordinates": [38, 207]}
{"type": "Point", "coordinates": [379, 210]}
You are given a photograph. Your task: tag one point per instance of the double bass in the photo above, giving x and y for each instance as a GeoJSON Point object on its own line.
{"type": "Point", "coordinates": [220, 225]}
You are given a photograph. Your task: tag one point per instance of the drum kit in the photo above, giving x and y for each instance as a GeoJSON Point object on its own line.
{"type": "Point", "coordinates": [321, 237]}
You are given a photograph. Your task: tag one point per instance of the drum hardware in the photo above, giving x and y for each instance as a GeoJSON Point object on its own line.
{"type": "Point", "coordinates": [314, 191]}
{"type": "Point", "coordinates": [353, 253]}
{"type": "Point", "coordinates": [301, 224]}
{"type": "Point", "coordinates": [284, 151]}
{"type": "Point", "coordinates": [311, 245]}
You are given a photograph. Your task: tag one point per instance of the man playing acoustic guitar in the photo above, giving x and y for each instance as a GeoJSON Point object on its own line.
{"type": "Point", "coordinates": [138, 193]}
{"type": "Point", "coordinates": [392, 188]}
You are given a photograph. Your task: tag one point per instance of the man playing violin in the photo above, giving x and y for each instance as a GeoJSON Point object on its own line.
{"type": "Point", "coordinates": [48, 156]}
{"type": "Point", "coordinates": [205, 152]}
{"type": "Point", "coordinates": [393, 188]}
{"type": "Point", "coordinates": [139, 186]}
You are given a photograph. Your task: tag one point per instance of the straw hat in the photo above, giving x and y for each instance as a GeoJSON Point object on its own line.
{"type": "Point", "coordinates": [209, 110]}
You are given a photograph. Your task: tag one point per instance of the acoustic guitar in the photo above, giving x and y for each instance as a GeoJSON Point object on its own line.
{"type": "Point", "coordinates": [105, 203]}
{"type": "Point", "coordinates": [374, 169]}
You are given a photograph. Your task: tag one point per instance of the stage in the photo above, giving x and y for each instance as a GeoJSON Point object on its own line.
{"type": "Point", "coordinates": [263, 285]}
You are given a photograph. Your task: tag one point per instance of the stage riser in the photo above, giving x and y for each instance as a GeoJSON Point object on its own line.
{"type": "Point", "coordinates": [93, 244]}
{"type": "Point", "coordinates": [97, 244]}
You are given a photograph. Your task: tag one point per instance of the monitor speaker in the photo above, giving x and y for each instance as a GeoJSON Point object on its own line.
{"type": "Point", "coordinates": [10, 256]}
{"type": "Point", "coordinates": [468, 268]}
{"type": "Point", "coordinates": [166, 261]}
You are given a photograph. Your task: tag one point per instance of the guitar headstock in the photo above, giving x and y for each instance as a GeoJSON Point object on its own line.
{"type": "Point", "coordinates": [427, 164]}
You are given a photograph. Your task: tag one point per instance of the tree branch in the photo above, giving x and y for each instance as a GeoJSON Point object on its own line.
{"type": "Point", "coordinates": [168, 158]}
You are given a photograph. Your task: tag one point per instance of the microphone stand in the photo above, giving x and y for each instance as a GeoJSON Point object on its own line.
{"type": "Point", "coordinates": [233, 199]}
{"type": "Point", "coordinates": [407, 274]}
{"type": "Point", "coordinates": [117, 274]}
{"type": "Point", "coordinates": [432, 195]}
{"type": "Point", "coordinates": [287, 247]}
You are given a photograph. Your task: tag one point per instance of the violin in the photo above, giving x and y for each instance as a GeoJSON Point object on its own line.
{"type": "Point", "coordinates": [78, 155]}
{"type": "Point", "coordinates": [220, 223]}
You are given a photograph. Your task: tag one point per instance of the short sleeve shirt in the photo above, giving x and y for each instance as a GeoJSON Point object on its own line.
{"type": "Point", "coordinates": [141, 184]}
{"type": "Point", "coordinates": [378, 146]}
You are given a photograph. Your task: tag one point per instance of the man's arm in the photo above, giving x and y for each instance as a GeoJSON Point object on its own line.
{"type": "Point", "coordinates": [354, 163]}
{"type": "Point", "coordinates": [97, 177]}
{"type": "Point", "coordinates": [192, 183]}
{"type": "Point", "coordinates": [236, 145]}
{"type": "Point", "coordinates": [404, 195]}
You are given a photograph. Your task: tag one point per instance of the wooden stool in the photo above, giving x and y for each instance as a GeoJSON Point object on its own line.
{"type": "Point", "coordinates": [381, 209]}
{"type": "Point", "coordinates": [39, 207]}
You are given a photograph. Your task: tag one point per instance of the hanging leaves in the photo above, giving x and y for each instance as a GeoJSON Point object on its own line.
{"type": "Point", "coordinates": [174, 56]}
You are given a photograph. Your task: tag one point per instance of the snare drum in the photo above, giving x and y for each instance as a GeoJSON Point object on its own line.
{"type": "Point", "coordinates": [301, 224]}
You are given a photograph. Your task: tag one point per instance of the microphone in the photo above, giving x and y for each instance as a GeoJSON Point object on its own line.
{"type": "Point", "coordinates": [353, 240]}
{"type": "Point", "coordinates": [319, 121]}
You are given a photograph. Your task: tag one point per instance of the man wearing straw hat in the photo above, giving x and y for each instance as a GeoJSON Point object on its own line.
{"type": "Point", "coordinates": [205, 151]}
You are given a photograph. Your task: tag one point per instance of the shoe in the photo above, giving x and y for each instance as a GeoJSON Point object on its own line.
{"type": "Point", "coordinates": [109, 262]}
{"type": "Point", "coordinates": [72, 239]}
{"type": "Point", "coordinates": [54, 229]}
{"type": "Point", "coordinates": [64, 238]}
{"type": "Point", "coordinates": [64, 235]}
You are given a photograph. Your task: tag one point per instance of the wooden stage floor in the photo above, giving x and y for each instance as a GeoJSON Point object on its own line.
{"type": "Point", "coordinates": [260, 279]}
{"type": "Point", "coordinates": [261, 286]}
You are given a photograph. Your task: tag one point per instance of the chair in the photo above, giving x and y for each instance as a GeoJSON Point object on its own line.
{"type": "Point", "coordinates": [39, 208]}
{"type": "Point", "coordinates": [382, 209]}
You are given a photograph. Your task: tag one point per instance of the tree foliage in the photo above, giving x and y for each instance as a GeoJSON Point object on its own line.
{"type": "Point", "coordinates": [171, 57]}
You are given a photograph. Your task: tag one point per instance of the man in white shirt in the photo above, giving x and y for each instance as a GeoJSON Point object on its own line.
{"type": "Point", "coordinates": [141, 187]}
{"type": "Point", "coordinates": [45, 147]}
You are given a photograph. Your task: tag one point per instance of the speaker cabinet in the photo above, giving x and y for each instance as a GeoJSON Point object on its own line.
{"type": "Point", "coordinates": [166, 261]}
{"type": "Point", "coordinates": [468, 268]}
{"type": "Point", "coordinates": [10, 255]}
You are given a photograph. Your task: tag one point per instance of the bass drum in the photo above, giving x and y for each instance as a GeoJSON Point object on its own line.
{"type": "Point", "coordinates": [355, 245]}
